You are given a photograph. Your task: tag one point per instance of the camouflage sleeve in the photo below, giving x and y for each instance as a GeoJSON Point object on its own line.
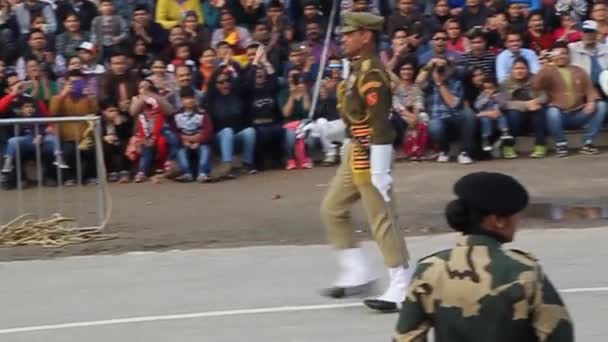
{"type": "Point", "coordinates": [550, 318]}
{"type": "Point", "coordinates": [414, 322]}
{"type": "Point", "coordinates": [374, 88]}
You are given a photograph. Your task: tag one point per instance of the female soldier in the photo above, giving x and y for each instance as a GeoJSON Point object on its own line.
{"type": "Point", "coordinates": [478, 290]}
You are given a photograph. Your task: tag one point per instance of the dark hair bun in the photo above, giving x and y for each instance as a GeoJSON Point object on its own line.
{"type": "Point", "coordinates": [458, 215]}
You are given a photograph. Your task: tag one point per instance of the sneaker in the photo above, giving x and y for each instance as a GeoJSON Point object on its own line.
{"type": "Point", "coordinates": [487, 146]}
{"type": "Point", "coordinates": [539, 151]}
{"type": "Point", "coordinates": [223, 171]}
{"type": "Point", "coordinates": [307, 164]}
{"type": "Point", "coordinates": [60, 163]}
{"type": "Point", "coordinates": [508, 152]}
{"type": "Point", "coordinates": [506, 137]}
{"type": "Point", "coordinates": [69, 183]}
{"type": "Point", "coordinates": [203, 178]}
{"type": "Point", "coordinates": [250, 169]}
{"type": "Point", "coordinates": [330, 159]}
{"type": "Point", "coordinates": [443, 157]}
{"type": "Point", "coordinates": [291, 165]}
{"type": "Point", "coordinates": [140, 177]}
{"type": "Point", "coordinates": [113, 177]}
{"type": "Point", "coordinates": [185, 178]}
{"type": "Point", "coordinates": [90, 181]}
{"type": "Point", "coordinates": [463, 158]}
{"type": "Point", "coordinates": [561, 151]}
{"type": "Point", "coordinates": [589, 149]}
{"type": "Point", "coordinates": [124, 177]}
{"type": "Point", "coordinates": [7, 167]}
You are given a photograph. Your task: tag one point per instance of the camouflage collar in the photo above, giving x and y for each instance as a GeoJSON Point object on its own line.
{"type": "Point", "coordinates": [478, 240]}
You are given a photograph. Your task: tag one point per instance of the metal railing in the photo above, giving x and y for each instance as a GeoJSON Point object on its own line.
{"type": "Point", "coordinates": [95, 130]}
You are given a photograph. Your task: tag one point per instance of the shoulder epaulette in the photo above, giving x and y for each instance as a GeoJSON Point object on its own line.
{"type": "Point", "coordinates": [524, 253]}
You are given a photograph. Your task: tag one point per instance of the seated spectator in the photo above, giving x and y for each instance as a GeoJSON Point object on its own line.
{"type": "Point", "coordinates": [439, 50]}
{"type": "Point", "coordinates": [247, 12]}
{"type": "Point", "coordinates": [149, 144]}
{"type": "Point", "coordinates": [441, 13]}
{"type": "Point", "coordinates": [108, 30]}
{"type": "Point", "coordinates": [576, 9]}
{"type": "Point", "coordinates": [53, 65]}
{"type": "Point", "coordinates": [195, 130]}
{"type": "Point", "coordinates": [207, 63]}
{"type": "Point", "coordinates": [85, 11]}
{"type": "Point", "coordinates": [537, 38]}
{"type": "Point", "coordinates": [68, 42]}
{"type": "Point", "coordinates": [408, 102]}
{"type": "Point", "coordinates": [127, 8]}
{"type": "Point", "coordinates": [182, 57]}
{"type": "Point", "coordinates": [572, 101]}
{"type": "Point", "coordinates": [504, 60]}
{"type": "Point", "coordinates": [163, 80]}
{"type": "Point", "coordinates": [404, 15]}
{"type": "Point", "coordinates": [119, 82]}
{"type": "Point", "coordinates": [274, 45]}
{"type": "Point", "coordinates": [237, 37]}
{"type": "Point", "coordinates": [27, 138]}
{"type": "Point", "coordinates": [599, 14]}
{"type": "Point", "coordinates": [294, 102]}
{"type": "Point", "coordinates": [590, 54]}
{"type": "Point", "coordinates": [398, 50]}
{"type": "Point", "coordinates": [488, 111]}
{"type": "Point", "coordinates": [443, 94]}
{"type": "Point", "coordinates": [117, 129]}
{"type": "Point", "coordinates": [197, 35]}
{"type": "Point", "coordinates": [143, 27]}
{"type": "Point", "coordinates": [25, 11]}
{"type": "Point", "coordinates": [92, 71]}
{"type": "Point", "coordinates": [211, 12]}
{"type": "Point", "coordinates": [140, 58]}
{"type": "Point", "coordinates": [170, 13]}
{"type": "Point", "coordinates": [315, 41]}
{"type": "Point", "coordinates": [456, 41]}
{"type": "Point", "coordinates": [474, 14]}
{"type": "Point", "coordinates": [523, 106]}
{"type": "Point", "coordinates": [76, 137]}
{"type": "Point", "coordinates": [231, 121]}
{"type": "Point", "coordinates": [183, 78]}
{"type": "Point", "coordinates": [40, 87]}
{"type": "Point", "coordinates": [479, 56]}
{"type": "Point", "coordinates": [517, 11]}
{"type": "Point", "coordinates": [568, 30]}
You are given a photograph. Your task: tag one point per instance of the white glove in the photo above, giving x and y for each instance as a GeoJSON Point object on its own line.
{"type": "Point", "coordinates": [381, 158]}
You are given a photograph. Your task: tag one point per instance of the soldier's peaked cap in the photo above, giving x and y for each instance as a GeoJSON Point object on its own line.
{"type": "Point", "coordinates": [492, 193]}
{"type": "Point", "coordinates": [353, 21]}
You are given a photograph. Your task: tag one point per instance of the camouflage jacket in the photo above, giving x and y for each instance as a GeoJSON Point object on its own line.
{"type": "Point", "coordinates": [481, 292]}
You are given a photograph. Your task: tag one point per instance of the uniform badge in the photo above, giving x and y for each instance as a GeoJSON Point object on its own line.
{"type": "Point", "coordinates": [350, 84]}
{"type": "Point", "coordinates": [371, 98]}
{"type": "Point", "coordinates": [365, 65]}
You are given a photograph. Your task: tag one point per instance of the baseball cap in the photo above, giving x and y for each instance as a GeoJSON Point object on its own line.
{"type": "Point", "coordinates": [87, 46]}
{"type": "Point", "coordinates": [590, 25]}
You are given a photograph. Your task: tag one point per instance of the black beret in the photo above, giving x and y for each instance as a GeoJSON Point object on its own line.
{"type": "Point", "coordinates": [492, 193]}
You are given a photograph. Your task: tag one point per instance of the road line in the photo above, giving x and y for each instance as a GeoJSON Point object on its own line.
{"type": "Point", "coordinates": [210, 314]}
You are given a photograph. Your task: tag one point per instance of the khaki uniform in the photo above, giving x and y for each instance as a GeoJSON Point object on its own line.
{"type": "Point", "coordinates": [364, 102]}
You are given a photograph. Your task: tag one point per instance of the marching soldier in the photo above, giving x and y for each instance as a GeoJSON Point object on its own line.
{"type": "Point", "coordinates": [364, 102]}
{"type": "Point", "coordinates": [478, 290]}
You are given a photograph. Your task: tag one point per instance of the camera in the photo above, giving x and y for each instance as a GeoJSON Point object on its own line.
{"type": "Point", "coordinates": [296, 78]}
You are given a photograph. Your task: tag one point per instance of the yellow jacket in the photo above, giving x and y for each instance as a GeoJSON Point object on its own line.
{"type": "Point", "coordinates": [169, 13]}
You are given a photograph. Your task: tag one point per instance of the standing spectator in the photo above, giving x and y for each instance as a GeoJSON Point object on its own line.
{"type": "Point", "coordinates": [195, 131]}
{"type": "Point", "coordinates": [443, 95]}
{"type": "Point", "coordinates": [85, 10]}
{"type": "Point", "coordinates": [232, 123]}
{"type": "Point", "coordinates": [237, 37]}
{"type": "Point", "coordinates": [474, 14]}
{"type": "Point", "coordinates": [51, 64]}
{"type": "Point", "coordinates": [294, 101]}
{"type": "Point", "coordinates": [117, 129]}
{"type": "Point", "coordinates": [572, 101]}
{"type": "Point", "coordinates": [74, 101]}
{"type": "Point", "coordinates": [505, 59]}
{"type": "Point", "coordinates": [108, 30]}
{"type": "Point", "coordinates": [143, 27]}
{"type": "Point", "coordinates": [590, 54]}
{"type": "Point", "coordinates": [537, 37]}
{"type": "Point", "coordinates": [523, 106]}
{"type": "Point", "coordinates": [68, 42]}
{"type": "Point", "coordinates": [25, 11]}
{"type": "Point", "coordinates": [479, 56]}
{"type": "Point", "coordinates": [149, 144]}
{"type": "Point", "coordinates": [170, 13]}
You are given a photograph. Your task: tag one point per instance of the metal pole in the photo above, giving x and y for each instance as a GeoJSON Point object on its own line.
{"type": "Point", "coordinates": [38, 170]}
{"type": "Point", "coordinates": [101, 177]}
{"type": "Point", "coordinates": [18, 171]}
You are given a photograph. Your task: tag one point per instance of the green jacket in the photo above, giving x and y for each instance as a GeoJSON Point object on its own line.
{"type": "Point", "coordinates": [481, 292]}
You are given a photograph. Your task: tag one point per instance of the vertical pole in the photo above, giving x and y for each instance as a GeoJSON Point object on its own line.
{"type": "Point", "coordinates": [18, 171]}
{"type": "Point", "coordinates": [38, 170]}
{"type": "Point", "coordinates": [101, 177]}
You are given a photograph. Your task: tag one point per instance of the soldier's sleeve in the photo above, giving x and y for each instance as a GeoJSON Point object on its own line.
{"type": "Point", "coordinates": [550, 317]}
{"type": "Point", "coordinates": [375, 89]}
{"type": "Point", "coordinates": [414, 322]}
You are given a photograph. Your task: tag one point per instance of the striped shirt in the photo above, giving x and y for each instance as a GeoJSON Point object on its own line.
{"type": "Point", "coordinates": [487, 62]}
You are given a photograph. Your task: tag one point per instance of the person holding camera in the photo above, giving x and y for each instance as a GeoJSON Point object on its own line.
{"type": "Point", "coordinates": [447, 119]}
{"type": "Point", "coordinates": [294, 102]}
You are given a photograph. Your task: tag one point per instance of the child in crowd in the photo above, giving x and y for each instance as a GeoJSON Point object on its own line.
{"type": "Point", "coordinates": [108, 31]}
{"type": "Point", "coordinates": [28, 137]}
{"type": "Point", "coordinates": [196, 134]}
{"type": "Point", "coordinates": [162, 79]}
{"type": "Point", "coordinates": [117, 130]}
{"type": "Point", "coordinates": [488, 110]}
{"type": "Point", "coordinates": [182, 57]}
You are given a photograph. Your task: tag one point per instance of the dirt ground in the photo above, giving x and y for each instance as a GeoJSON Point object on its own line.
{"type": "Point", "coordinates": [244, 212]}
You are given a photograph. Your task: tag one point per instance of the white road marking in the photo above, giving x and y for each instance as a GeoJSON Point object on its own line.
{"type": "Point", "coordinates": [222, 313]}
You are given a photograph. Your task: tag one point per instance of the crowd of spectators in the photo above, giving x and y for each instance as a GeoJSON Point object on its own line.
{"type": "Point", "coordinates": [182, 86]}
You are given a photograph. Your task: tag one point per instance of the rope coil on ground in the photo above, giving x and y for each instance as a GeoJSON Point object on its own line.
{"type": "Point", "coordinates": [56, 231]}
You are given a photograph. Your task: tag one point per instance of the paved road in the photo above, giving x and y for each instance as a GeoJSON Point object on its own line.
{"type": "Point", "coordinates": [250, 294]}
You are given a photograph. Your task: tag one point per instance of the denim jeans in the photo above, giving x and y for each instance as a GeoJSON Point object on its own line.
{"type": "Point", "coordinates": [557, 120]}
{"type": "Point", "coordinates": [227, 139]}
{"type": "Point", "coordinates": [146, 159]}
{"type": "Point", "coordinates": [456, 127]}
{"type": "Point", "coordinates": [50, 143]}
{"type": "Point", "coordinates": [488, 124]}
{"type": "Point", "coordinates": [172, 142]}
{"type": "Point", "coordinates": [520, 122]}
{"type": "Point", "coordinates": [204, 154]}
{"type": "Point", "coordinates": [290, 143]}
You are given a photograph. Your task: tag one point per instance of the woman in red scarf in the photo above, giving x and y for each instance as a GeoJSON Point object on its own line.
{"type": "Point", "coordinates": [149, 144]}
